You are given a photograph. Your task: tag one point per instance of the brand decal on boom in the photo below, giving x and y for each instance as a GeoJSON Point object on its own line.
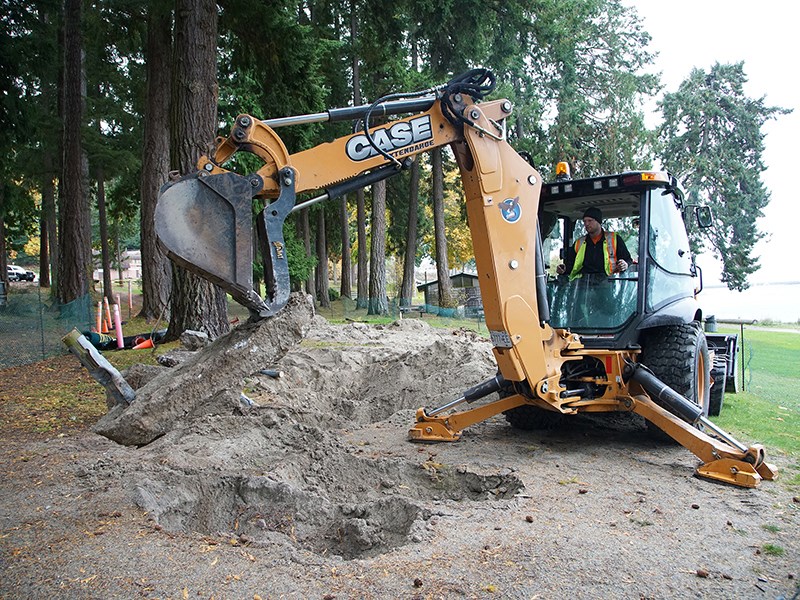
{"type": "Point", "coordinates": [510, 209]}
{"type": "Point", "coordinates": [398, 136]}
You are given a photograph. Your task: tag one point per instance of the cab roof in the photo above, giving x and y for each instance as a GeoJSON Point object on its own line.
{"type": "Point", "coordinates": [616, 195]}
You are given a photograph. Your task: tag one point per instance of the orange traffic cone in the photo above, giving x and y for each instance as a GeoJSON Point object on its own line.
{"type": "Point", "coordinates": [104, 329]}
{"type": "Point", "coordinates": [148, 343]}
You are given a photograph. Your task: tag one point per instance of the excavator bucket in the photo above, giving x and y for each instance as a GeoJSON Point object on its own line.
{"type": "Point", "coordinates": [205, 224]}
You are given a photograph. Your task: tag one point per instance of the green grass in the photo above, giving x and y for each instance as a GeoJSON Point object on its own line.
{"type": "Point", "coordinates": [768, 410]}
{"type": "Point", "coordinates": [772, 550]}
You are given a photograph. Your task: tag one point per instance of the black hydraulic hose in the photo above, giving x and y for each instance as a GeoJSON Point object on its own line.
{"type": "Point", "coordinates": [351, 113]}
{"type": "Point", "coordinates": [362, 181]}
{"type": "Point", "coordinates": [373, 108]}
{"type": "Point", "coordinates": [476, 83]}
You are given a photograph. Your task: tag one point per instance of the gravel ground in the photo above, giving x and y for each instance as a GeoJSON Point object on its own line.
{"type": "Point", "coordinates": [315, 492]}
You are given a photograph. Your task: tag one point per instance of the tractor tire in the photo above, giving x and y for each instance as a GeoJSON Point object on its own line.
{"type": "Point", "coordinates": [678, 356]}
{"type": "Point", "coordinates": [717, 394]}
{"type": "Point", "coordinates": [531, 418]}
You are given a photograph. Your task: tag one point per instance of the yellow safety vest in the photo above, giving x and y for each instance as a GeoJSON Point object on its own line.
{"type": "Point", "coordinates": [609, 254]}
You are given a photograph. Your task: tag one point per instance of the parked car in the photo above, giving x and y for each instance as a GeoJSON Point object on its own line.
{"type": "Point", "coordinates": [13, 273]}
{"type": "Point", "coordinates": [16, 273]}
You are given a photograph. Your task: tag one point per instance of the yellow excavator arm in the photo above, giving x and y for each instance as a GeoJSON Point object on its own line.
{"type": "Point", "coordinates": [204, 222]}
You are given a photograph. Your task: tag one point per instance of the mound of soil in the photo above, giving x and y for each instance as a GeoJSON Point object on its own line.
{"type": "Point", "coordinates": [221, 481]}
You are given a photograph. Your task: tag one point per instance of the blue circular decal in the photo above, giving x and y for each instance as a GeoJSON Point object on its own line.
{"type": "Point", "coordinates": [511, 210]}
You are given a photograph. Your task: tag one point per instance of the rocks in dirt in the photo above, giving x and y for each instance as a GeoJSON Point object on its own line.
{"type": "Point", "coordinates": [173, 358]}
{"type": "Point", "coordinates": [140, 375]}
{"type": "Point", "coordinates": [137, 377]}
{"type": "Point", "coordinates": [210, 381]}
{"type": "Point", "coordinates": [194, 340]}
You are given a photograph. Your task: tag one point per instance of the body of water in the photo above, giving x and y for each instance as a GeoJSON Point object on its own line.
{"type": "Point", "coordinates": [773, 301]}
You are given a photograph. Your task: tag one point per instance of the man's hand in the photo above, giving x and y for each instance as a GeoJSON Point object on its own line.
{"type": "Point", "coordinates": [621, 266]}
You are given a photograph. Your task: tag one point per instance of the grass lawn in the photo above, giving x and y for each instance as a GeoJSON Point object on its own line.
{"type": "Point", "coordinates": [767, 411]}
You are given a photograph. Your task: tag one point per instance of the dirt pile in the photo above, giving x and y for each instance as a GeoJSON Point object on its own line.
{"type": "Point", "coordinates": [206, 383]}
{"type": "Point", "coordinates": [273, 468]}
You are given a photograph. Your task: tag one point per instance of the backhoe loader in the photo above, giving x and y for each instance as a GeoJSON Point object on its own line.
{"type": "Point", "coordinates": [556, 353]}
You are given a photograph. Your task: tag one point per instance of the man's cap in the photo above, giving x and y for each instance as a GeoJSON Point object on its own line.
{"type": "Point", "coordinates": [593, 213]}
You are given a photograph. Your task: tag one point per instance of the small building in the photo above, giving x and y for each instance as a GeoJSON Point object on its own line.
{"type": "Point", "coordinates": [466, 294]}
{"type": "Point", "coordinates": [131, 266]}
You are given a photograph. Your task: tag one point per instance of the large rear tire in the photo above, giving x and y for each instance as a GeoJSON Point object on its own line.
{"type": "Point", "coordinates": [531, 418]}
{"type": "Point", "coordinates": [678, 356]}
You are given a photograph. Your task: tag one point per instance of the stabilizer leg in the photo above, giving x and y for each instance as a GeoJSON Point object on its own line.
{"type": "Point", "coordinates": [721, 461]}
{"type": "Point", "coordinates": [430, 427]}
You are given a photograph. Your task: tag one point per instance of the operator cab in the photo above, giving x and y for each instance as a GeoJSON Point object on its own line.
{"type": "Point", "coordinates": [646, 210]}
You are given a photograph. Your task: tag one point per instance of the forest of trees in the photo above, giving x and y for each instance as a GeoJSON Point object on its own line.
{"type": "Point", "coordinates": [101, 100]}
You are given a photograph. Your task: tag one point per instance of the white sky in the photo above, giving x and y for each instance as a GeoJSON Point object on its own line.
{"type": "Point", "coordinates": [698, 33]}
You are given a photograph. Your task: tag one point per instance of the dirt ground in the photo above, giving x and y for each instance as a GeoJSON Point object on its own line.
{"type": "Point", "coordinates": [315, 492]}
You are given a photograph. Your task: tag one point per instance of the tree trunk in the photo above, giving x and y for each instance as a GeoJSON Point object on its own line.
{"type": "Point", "coordinates": [103, 222]}
{"type": "Point", "coordinates": [44, 256]}
{"type": "Point", "coordinates": [156, 272]}
{"type": "Point", "coordinates": [118, 251]}
{"type": "Point", "coordinates": [362, 281]}
{"type": "Point", "coordinates": [378, 302]}
{"type": "Point", "coordinates": [48, 269]}
{"type": "Point", "coordinates": [442, 270]}
{"type": "Point", "coordinates": [322, 262]}
{"type": "Point", "coordinates": [407, 288]}
{"type": "Point", "coordinates": [75, 257]}
{"type": "Point", "coordinates": [345, 290]}
{"type": "Point", "coordinates": [3, 261]}
{"type": "Point", "coordinates": [309, 283]}
{"type": "Point", "coordinates": [196, 303]}
{"type": "Point", "coordinates": [47, 229]}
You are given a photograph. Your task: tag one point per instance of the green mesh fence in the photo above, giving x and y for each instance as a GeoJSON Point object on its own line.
{"type": "Point", "coordinates": [32, 324]}
{"type": "Point", "coordinates": [465, 314]}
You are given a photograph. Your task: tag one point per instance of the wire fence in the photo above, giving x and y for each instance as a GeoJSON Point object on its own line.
{"type": "Point", "coordinates": [32, 324]}
{"type": "Point", "coordinates": [346, 309]}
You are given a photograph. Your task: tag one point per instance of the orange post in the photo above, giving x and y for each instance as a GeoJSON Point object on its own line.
{"type": "Point", "coordinates": [108, 311]}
